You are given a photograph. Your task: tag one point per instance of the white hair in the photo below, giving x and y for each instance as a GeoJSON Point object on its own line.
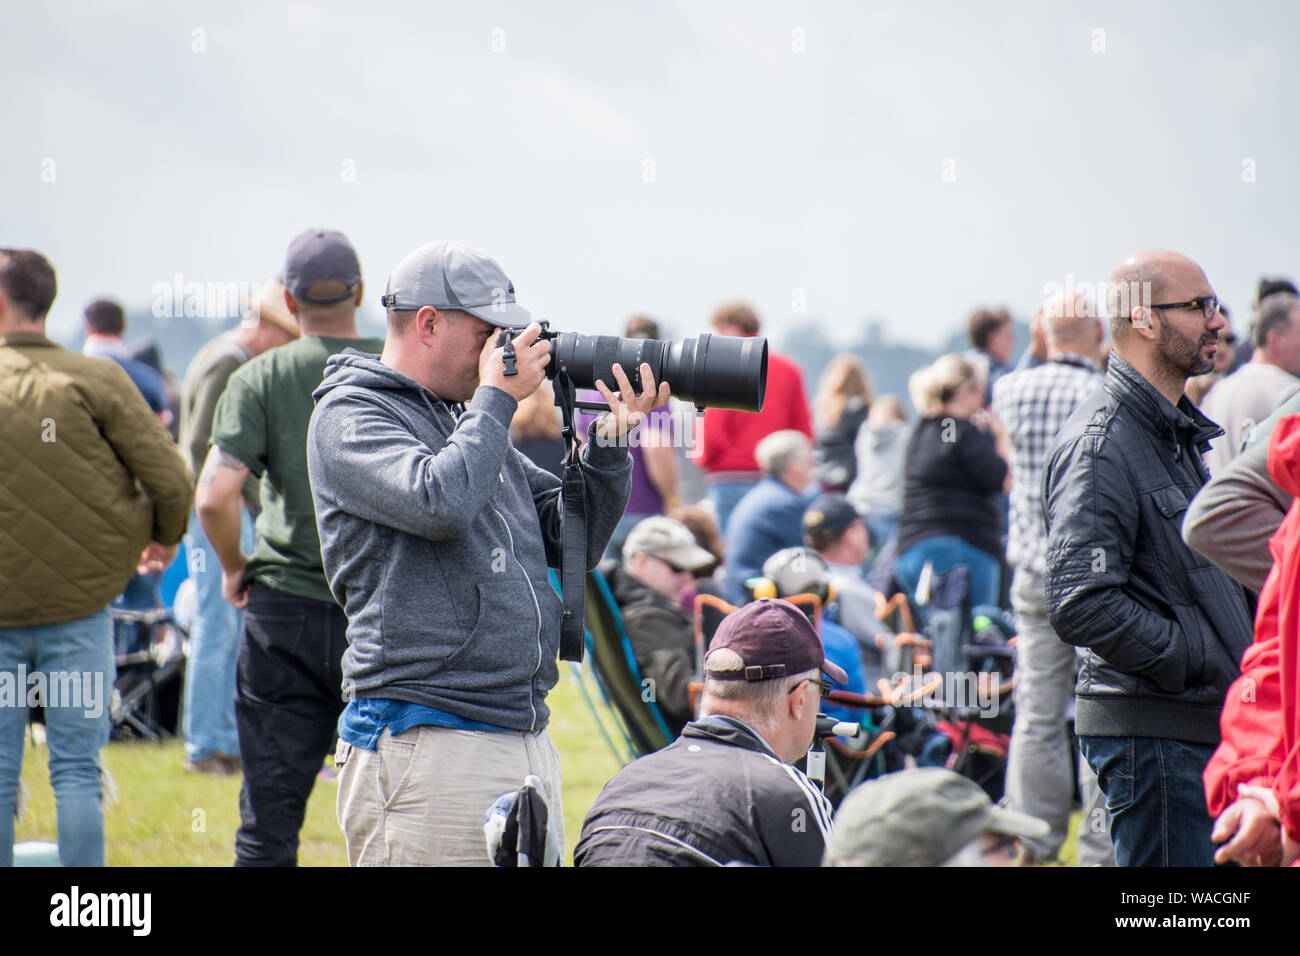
{"type": "Point", "coordinates": [763, 699]}
{"type": "Point", "coordinates": [775, 452]}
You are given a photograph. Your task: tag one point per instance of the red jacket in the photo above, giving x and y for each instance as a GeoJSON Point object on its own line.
{"type": "Point", "coordinates": [1261, 729]}
{"type": "Point", "coordinates": [727, 437]}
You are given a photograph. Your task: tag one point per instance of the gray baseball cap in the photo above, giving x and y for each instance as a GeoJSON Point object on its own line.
{"type": "Point", "coordinates": [449, 275]}
{"type": "Point", "coordinates": [321, 267]}
{"type": "Point", "coordinates": [919, 817]}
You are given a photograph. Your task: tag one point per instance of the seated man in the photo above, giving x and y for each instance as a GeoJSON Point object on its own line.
{"type": "Point", "coordinates": [800, 571]}
{"type": "Point", "coordinates": [725, 791]}
{"type": "Point", "coordinates": [926, 817]}
{"type": "Point", "coordinates": [768, 518]}
{"type": "Point", "coordinates": [658, 558]}
{"type": "Point", "coordinates": [835, 530]}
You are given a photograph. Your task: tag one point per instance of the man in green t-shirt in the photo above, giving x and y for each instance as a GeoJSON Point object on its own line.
{"type": "Point", "coordinates": [211, 740]}
{"type": "Point", "coordinates": [290, 657]}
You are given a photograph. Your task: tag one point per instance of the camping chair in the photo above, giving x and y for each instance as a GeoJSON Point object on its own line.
{"type": "Point", "coordinates": [614, 664]}
{"type": "Point", "coordinates": [899, 653]}
{"type": "Point", "coordinates": [149, 650]}
{"type": "Point", "coordinates": [609, 723]}
{"type": "Point", "coordinates": [979, 741]}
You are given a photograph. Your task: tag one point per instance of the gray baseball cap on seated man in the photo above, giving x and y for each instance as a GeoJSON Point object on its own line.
{"type": "Point", "coordinates": [321, 267]}
{"type": "Point", "coordinates": [449, 275]}
{"type": "Point", "coordinates": [920, 817]}
{"type": "Point", "coordinates": [668, 540]}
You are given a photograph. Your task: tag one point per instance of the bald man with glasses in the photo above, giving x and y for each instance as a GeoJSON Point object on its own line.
{"type": "Point", "coordinates": [1164, 628]}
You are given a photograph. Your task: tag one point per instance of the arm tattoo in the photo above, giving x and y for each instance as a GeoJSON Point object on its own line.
{"type": "Point", "coordinates": [227, 460]}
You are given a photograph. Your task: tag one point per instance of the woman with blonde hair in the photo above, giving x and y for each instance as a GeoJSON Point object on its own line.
{"type": "Point", "coordinates": [840, 407]}
{"type": "Point", "coordinates": [957, 470]}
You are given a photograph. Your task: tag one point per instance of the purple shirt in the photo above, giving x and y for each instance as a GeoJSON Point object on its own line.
{"type": "Point", "coordinates": [643, 499]}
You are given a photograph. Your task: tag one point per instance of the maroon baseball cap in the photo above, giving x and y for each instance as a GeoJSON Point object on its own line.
{"type": "Point", "coordinates": [774, 639]}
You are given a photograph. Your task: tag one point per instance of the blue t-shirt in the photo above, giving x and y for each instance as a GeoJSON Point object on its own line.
{"type": "Point", "coordinates": [842, 649]}
{"type": "Point", "coordinates": [363, 720]}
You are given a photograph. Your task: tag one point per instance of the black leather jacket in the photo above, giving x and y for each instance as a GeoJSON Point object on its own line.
{"type": "Point", "coordinates": [1165, 629]}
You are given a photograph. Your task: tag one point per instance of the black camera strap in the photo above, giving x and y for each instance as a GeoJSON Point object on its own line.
{"type": "Point", "coordinates": [573, 530]}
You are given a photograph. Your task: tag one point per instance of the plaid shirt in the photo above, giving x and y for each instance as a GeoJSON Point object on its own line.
{"type": "Point", "coordinates": [1032, 405]}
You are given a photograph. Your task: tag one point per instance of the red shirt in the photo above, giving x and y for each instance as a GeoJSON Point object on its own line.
{"type": "Point", "coordinates": [1260, 724]}
{"type": "Point", "coordinates": [727, 437]}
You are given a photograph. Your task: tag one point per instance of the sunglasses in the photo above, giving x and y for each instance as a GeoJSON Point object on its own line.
{"type": "Point", "coordinates": [672, 567]}
{"type": "Point", "coordinates": [1208, 304]}
{"type": "Point", "coordinates": [825, 685]}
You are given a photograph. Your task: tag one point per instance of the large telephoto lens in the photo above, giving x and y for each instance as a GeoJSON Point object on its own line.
{"type": "Point", "coordinates": [712, 371]}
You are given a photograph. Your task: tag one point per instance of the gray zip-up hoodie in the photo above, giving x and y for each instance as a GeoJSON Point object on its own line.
{"type": "Point", "coordinates": [436, 535]}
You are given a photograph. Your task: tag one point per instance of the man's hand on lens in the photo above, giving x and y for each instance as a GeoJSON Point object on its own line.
{"type": "Point", "coordinates": [1256, 837]}
{"type": "Point", "coordinates": [626, 407]}
{"type": "Point", "coordinates": [531, 357]}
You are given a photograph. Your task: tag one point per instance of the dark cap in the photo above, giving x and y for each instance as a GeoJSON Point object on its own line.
{"type": "Point", "coordinates": [828, 517]}
{"type": "Point", "coordinates": [321, 256]}
{"type": "Point", "coordinates": [774, 639]}
{"type": "Point", "coordinates": [1273, 286]}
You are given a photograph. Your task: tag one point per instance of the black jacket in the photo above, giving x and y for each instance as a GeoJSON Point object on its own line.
{"type": "Point", "coordinates": [952, 485]}
{"type": "Point", "coordinates": [663, 640]}
{"type": "Point", "coordinates": [834, 450]}
{"type": "Point", "coordinates": [1165, 629]}
{"type": "Point", "coordinates": [716, 795]}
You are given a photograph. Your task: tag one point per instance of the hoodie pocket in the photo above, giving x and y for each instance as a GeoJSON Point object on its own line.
{"type": "Point", "coordinates": [476, 633]}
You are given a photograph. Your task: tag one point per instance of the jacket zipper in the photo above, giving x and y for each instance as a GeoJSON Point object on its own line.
{"type": "Point", "coordinates": [532, 722]}
{"type": "Point", "coordinates": [532, 710]}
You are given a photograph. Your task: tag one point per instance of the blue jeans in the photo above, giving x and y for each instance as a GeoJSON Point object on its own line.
{"type": "Point", "coordinates": [209, 721]}
{"type": "Point", "coordinates": [1155, 797]}
{"type": "Point", "coordinates": [725, 495]}
{"type": "Point", "coordinates": [76, 661]}
{"type": "Point", "coordinates": [944, 552]}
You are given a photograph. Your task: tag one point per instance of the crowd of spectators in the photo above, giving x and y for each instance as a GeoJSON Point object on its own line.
{"type": "Point", "coordinates": [368, 524]}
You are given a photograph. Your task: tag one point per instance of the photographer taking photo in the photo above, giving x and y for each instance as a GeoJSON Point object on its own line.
{"type": "Point", "coordinates": [452, 624]}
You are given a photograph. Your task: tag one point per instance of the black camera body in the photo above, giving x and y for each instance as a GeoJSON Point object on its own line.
{"type": "Point", "coordinates": [712, 371]}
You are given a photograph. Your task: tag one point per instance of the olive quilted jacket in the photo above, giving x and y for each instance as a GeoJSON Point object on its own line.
{"type": "Point", "coordinates": [88, 476]}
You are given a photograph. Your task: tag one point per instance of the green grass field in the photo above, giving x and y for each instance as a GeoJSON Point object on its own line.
{"type": "Point", "coordinates": [163, 816]}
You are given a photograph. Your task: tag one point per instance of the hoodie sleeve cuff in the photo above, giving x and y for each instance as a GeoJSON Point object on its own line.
{"type": "Point", "coordinates": [605, 454]}
{"type": "Point", "coordinates": [496, 402]}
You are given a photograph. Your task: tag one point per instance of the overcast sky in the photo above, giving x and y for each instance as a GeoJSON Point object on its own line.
{"type": "Point", "coordinates": [903, 160]}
